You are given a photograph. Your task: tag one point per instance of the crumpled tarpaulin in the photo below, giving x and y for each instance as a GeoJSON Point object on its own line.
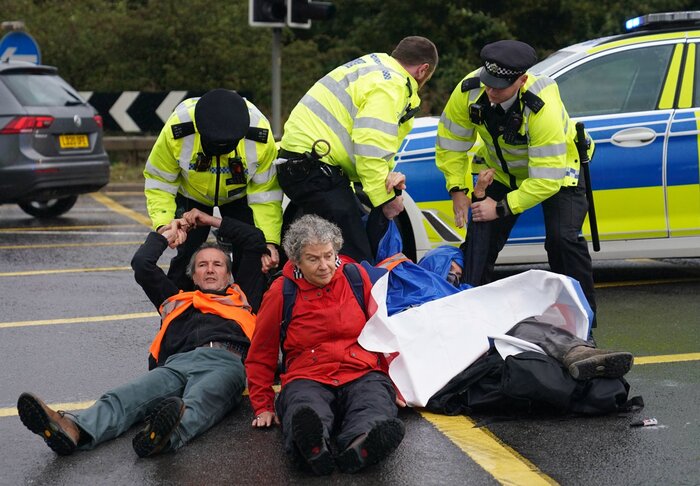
{"type": "Point", "coordinates": [439, 338]}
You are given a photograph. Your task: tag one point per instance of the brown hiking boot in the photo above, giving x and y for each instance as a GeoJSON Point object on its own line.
{"type": "Point", "coordinates": [59, 432]}
{"type": "Point", "coordinates": [584, 363]}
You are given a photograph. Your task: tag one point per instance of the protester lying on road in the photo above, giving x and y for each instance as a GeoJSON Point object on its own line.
{"type": "Point", "coordinates": [197, 373]}
{"type": "Point", "coordinates": [334, 395]}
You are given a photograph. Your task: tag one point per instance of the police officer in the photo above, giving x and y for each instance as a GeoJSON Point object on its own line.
{"type": "Point", "coordinates": [347, 128]}
{"type": "Point", "coordinates": [217, 151]}
{"type": "Point", "coordinates": [529, 151]}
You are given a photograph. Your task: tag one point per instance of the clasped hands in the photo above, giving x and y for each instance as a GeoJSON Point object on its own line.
{"type": "Point", "coordinates": [176, 234]}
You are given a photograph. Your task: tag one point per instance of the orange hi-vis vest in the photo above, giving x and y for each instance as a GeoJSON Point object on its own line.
{"type": "Point", "coordinates": [233, 306]}
{"type": "Point", "coordinates": [390, 263]}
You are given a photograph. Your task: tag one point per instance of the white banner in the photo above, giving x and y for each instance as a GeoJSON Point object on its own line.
{"type": "Point", "coordinates": [439, 339]}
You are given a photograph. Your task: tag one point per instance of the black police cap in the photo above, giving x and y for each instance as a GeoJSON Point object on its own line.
{"type": "Point", "coordinates": [222, 120]}
{"type": "Point", "coordinates": [505, 61]}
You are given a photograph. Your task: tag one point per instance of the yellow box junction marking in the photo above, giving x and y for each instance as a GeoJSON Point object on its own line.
{"type": "Point", "coordinates": [68, 245]}
{"type": "Point", "coordinates": [66, 228]}
{"type": "Point", "coordinates": [484, 448]}
{"type": "Point", "coordinates": [123, 210]}
{"type": "Point", "coordinates": [79, 320]}
{"type": "Point", "coordinates": [28, 273]}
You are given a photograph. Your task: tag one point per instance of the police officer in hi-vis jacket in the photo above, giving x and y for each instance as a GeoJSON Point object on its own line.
{"type": "Point", "coordinates": [217, 151]}
{"type": "Point", "coordinates": [528, 151]}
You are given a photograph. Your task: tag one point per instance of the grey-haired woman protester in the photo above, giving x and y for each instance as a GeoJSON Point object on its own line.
{"type": "Point", "coordinates": [336, 406]}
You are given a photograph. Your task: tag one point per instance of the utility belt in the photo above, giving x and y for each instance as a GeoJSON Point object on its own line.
{"type": "Point", "coordinates": [302, 165]}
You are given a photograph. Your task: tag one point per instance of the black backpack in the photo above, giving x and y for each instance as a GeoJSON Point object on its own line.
{"type": "Point", "coordinates": [289, 295]}
{"type": "Point", "coordinates": [526, 383]}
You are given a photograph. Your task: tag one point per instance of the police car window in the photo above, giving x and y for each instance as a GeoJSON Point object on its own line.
{"type": "Point", "coordinates": [620, 82]}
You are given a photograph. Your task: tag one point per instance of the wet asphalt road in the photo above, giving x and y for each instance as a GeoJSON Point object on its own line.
{"type": "Point", "coordinates": [73, 323]}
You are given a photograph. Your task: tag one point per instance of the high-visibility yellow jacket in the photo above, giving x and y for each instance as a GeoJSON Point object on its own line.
{"type": "Point", "coordinates": [358, 108]}
{"type": "Point", "coordinates": [543, 159]}
{"type": "Point", "coordinates": [171, 169]}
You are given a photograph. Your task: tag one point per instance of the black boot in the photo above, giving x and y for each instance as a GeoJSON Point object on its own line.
{"type": "Point", "coordinates": [307, 430]}
{"type": "Point", "coordinates": [372, 447]}
{"type": "Point", "coordinates": [160, 425]}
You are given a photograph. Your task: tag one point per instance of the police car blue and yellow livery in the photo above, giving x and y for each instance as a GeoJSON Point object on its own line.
{"type": "Point", "coordinates": [171, 169]}
{"type": "Point", "coordinates": [638, 95]}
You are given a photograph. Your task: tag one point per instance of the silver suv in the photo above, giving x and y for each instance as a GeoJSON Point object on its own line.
{"type": "Point", "coordinates": [50, 141]}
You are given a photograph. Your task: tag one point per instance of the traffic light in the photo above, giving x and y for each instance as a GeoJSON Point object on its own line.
{"type": "Point", "coordinates": [300, 13]}
{"type": "Point", "coordinates": [266, 13]}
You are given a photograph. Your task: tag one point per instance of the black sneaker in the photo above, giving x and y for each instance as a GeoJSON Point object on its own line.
{"type": "Point", "coordinates": [60, 433]}
{"type": "Point", "coordinates": [160, 425]}
{"type": "Point", "coordinates": [379, 442]}
{"type": "Point", "coordinates": [307, 431]}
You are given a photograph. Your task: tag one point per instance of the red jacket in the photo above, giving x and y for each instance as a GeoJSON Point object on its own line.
{"type": "Point", "coordinates": [321, 342]}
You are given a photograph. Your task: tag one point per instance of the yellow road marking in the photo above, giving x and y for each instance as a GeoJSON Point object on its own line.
{"type": "Point", "coordinates": [68, 245]}
{"type": "Point", "coordinates": [72, 406]}
{"type": "Point", "coordinates": [78, 320]}
{"type": "Point", "coordinates": [118, 208]}
{"type": "Point", "coordinates": [666, 358]}
{"type": "Point", "coordinates": [62, 270]}
{"type": "Point", "coordinates": [66, 228]}
{"type": "Point", "coordinates": [633, 283]}
{"type": "Point", "coordinates": [484, 448]}
{"type": "Point", "coordinates": [12, 411]}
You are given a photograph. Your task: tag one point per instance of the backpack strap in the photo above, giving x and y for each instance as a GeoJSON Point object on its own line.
{"type": "Point", "coordinates": [352, 273]}
{"type": "Point", "coordinates": [289, 295]}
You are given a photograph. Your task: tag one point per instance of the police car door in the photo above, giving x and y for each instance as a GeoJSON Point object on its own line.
{"type": "Point", "coordinates": [621, 94]}
{"type": "Point", "coordinates": [683, 154]}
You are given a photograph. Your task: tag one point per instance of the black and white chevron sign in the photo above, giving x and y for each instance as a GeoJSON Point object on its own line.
{"type": "Point", "coordinates": [136, 111]}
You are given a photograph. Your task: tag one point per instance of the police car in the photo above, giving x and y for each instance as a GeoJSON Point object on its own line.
{"type": "Point", "coordinates": [638, 95]}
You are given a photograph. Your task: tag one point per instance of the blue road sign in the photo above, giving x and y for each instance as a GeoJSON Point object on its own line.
{"type": "Point", "coordinates": [19, 46]}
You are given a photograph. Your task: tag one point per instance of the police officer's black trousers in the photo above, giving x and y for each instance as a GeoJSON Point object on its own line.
{"type": "Point", "coordinates": [247, 266]}
{"type": "Point", "coordinates": [325, 191]}
{"type": "Point", "coordinates": [347, 411]}
{"type": "Point", "coordinates": [567, 251]}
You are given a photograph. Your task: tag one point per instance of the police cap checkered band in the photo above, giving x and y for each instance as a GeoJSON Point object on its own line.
{"type": "Point", "coordinates": [501, 72]}
{"type": "Point", "coordinates": [505, 61]}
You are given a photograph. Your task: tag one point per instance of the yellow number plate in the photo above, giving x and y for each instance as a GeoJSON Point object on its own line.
{"type": "Point", "coordinates": [73, 141]}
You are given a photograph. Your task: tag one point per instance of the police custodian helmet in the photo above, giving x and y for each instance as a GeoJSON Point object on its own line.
{"type": "Point", "coordinates": [222, 120]}
{"type": "Point", "coordinates": [505, 61]}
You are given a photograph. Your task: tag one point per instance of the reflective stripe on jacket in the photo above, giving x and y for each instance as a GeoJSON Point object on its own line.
{"type": "Point", "coordinates": [547, 160]}
{"type": "Point", "coordinates": [233, 306]}
{"type": "Point", "coordinates": [171, 169]}
{"type": "Point", "coordinates": [357, 108]}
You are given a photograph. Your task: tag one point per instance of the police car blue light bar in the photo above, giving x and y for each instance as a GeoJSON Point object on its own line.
{"type": "Point", "coordinates": [664, 18]}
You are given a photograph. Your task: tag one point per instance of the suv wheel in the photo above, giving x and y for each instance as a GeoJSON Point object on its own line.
{"type": "Point", "coordinates": [49, 208]}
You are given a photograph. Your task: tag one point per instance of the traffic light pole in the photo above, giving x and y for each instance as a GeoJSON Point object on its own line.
{"type": "Point", "coordinates": [276, 82]}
